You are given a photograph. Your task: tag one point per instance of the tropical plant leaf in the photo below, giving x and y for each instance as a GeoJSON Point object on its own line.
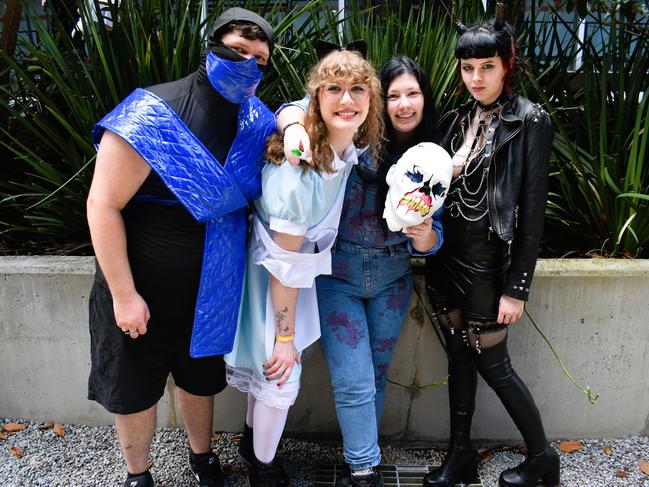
{"type": "Point", "coordinates": [594, 85]}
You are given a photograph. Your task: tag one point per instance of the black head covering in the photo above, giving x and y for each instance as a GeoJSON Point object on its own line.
{"type": "Point", "coordinates": [237, 13]}
{"type": "Point", "coordinates": [324, 48]}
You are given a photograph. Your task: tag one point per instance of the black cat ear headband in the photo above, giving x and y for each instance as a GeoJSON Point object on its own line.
{"type": "Point", "coordinates": [461, 28]}
{"type": "Point", "coordinates": [323, 48]}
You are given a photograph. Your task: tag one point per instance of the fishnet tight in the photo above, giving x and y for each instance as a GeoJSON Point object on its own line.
{"type": "Point", "coordinates": [479, 335]}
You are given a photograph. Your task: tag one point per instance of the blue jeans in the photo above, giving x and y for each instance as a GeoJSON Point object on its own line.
{"type": "Point", "coordinates": [362, 308]}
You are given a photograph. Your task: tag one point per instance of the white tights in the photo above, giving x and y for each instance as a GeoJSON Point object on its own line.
{"type": "Point", "coordinates": [267, 424]}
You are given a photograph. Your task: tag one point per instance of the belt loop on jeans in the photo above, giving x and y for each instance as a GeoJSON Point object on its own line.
{"type": "Point", "coordinates": [391, 250]}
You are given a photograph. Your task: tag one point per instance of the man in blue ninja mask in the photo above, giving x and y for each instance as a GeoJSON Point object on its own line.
{"type": "Point", "coordinates": [177, 164]}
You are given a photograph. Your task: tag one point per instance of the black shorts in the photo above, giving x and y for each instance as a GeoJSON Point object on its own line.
{"type": "Point", "coordinates": [129, 375]}
{"type": "Point", "coordinates": [468, 271]}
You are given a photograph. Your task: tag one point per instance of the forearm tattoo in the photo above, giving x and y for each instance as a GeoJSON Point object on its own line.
{"type": "Point", "coordinates": [280, 317]}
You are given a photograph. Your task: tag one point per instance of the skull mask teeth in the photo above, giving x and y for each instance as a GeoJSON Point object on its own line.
{"type": "Point", "coordinates": [416, 201]}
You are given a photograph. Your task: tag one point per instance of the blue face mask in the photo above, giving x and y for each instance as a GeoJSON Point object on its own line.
{"type": "Point", "coordinates": [234, 80]}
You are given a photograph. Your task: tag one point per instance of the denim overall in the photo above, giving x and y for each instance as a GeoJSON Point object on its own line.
{"type": "Point", "coordinates": [362, 306]}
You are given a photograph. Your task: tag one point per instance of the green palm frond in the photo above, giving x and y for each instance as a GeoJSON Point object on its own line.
{"type": "Point", "coordinates": [59, 89]}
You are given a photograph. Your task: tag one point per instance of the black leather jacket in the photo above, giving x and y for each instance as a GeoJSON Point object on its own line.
{"type": "Point", "coordinates": [519, 144]}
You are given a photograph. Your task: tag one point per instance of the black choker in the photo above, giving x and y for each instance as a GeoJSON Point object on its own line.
{"type": "Point", "coordinates": [488, 108]}
{"type": "Point", "coordinates": [502, 99]}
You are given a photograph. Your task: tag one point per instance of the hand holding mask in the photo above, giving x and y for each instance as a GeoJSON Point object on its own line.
{"type": "Point", "coordinates": [418, 185]}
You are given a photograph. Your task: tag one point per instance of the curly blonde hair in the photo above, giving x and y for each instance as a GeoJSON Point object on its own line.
{"type": "Point", "coordinates": [339, 66]}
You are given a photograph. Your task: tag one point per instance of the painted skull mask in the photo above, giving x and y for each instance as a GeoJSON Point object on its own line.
{"type": "Point", "coordinates": [418, 185]}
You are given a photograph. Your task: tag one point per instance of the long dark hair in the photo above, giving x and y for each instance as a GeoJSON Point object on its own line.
{"type": "Point", "coordinates": [392, 69]}
{"type": "Point", "coordinates": [488, 39]}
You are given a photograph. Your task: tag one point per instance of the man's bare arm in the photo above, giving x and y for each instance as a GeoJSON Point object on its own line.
{"type": "Point", "coordinates": [119, 172]}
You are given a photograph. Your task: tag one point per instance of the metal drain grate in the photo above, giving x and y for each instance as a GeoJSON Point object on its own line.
{"type": "Point", "coordinates": [393, 475]}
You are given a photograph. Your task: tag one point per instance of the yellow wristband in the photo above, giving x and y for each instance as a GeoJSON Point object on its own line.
{"type": "Point", "coordinates": [285, 338]}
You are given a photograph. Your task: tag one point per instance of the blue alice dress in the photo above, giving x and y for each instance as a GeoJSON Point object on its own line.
{"type": "Point", "coordinates": [297, 202]}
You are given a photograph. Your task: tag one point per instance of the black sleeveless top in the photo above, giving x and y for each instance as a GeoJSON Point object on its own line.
{"type": "Point", "coordinates": [159, 229]}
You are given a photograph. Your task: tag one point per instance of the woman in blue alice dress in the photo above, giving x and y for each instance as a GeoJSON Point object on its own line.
{"type": "Point", "coordinates": [364, 301]}
{"type": "Point", "coordinates": [298, 211]}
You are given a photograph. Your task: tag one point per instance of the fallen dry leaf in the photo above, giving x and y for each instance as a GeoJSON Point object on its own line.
{"type": "Point", "coordinates": [622, 474]}
{"type": "Point", "coordinates": [58, 429]}
{"type": "Point", "coordinates": [608, 451]}
{"type": "Point", "coordinates": [46, 426]}
{"type": "Point", "coordinates": [11, 427]}
{"type": "Point", "coordinates": [2, 436]}
{"type": "Point", "coordinates": [644, 467]}
{"type": "Point", "coordinates": [216, 436]}
{"type": "Point", "coordinates": [570, 446]}
{"type": "Point", "coordinates": [485, 457]}
{"type": "Point", "coordinates": [16, 451]}
{"type": "Point", "coordinates": [237, 438]}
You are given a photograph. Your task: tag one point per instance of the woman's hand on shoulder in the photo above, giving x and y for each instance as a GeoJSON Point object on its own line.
{"type": "Point", "coordinates": [280, 364]}
{"type": "Point", "coordinates": [509, 310]}
{"type": "Point", "coordinates": [290, 122]}
{"type": "Point", "coordinates": [296, 139]}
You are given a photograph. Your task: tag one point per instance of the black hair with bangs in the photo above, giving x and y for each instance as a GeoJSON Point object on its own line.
{"type": "Point", "coordinates": [489, 39]}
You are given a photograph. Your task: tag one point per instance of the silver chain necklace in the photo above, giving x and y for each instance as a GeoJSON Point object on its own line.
{"type": "Point", "coordinates": [458, 206]}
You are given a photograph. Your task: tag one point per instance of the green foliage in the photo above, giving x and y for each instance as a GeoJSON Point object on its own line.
{"type": "Point", "coordinates": [59, 90]}
{"type": "Point", "coordinates": [600, 186]}
{"type": "Point", "coordinates": [426, 34]}
{"type": "Point", "coordinates": [600, 181]}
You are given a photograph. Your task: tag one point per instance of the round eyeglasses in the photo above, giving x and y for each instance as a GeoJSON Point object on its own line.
{"type": "Point", "coordinates": [335, 92]}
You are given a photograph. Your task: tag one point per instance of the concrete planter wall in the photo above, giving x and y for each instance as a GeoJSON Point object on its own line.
{"type": "Point", "coordinates": [595, 312]}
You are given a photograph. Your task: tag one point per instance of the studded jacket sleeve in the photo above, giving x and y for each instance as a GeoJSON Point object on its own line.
{"type": "Point", "coordinates": [538, 134]}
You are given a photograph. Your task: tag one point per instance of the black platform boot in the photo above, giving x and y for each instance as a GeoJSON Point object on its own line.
{"type": "Point", "coordinates": [461, 461]}
{"type": "Point", "coordinates": [542, 462]}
